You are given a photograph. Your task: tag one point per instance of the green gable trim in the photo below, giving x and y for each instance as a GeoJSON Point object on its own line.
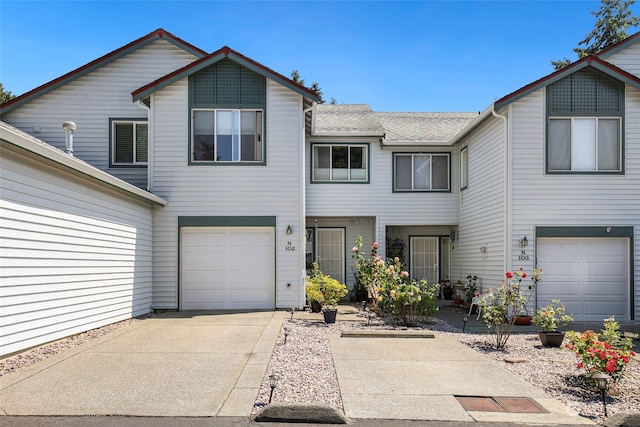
{"type": "Point", "coordinates": [226, 221]}
{"type": "Point", "coordinates": [598, 64]}
{"type": "Point", "coordinates": [227, 84]}
{"type": "Point", "coordinates": [585, 232]}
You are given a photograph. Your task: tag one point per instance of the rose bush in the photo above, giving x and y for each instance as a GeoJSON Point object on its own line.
{"type": "Point", "coordinates": [611, 355]}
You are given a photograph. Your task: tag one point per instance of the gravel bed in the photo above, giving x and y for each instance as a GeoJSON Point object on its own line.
{"type": "Point", "coordinates": [307, 374]}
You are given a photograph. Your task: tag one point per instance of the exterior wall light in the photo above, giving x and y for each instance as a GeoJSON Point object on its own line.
{"type": "Point", "coordinates": [289, 229]}
{"type": "Point", "coordinates": [524, 242]}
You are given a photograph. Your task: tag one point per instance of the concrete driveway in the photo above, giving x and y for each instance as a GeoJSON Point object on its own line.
{"type": "Point", "coordinates": [174, 364]}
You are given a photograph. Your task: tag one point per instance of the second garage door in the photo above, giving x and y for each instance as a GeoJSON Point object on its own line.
{"type": "Point", "coordinates": [588, 275]}
{"type": "Point", "coordinates": [227, 268]}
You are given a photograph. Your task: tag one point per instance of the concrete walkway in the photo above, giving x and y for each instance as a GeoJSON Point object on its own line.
{"type": "Point", "coordinates": [203, 364]}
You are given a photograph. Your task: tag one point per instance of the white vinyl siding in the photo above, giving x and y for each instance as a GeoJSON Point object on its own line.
{"type": "Point", "coordinates": [93, 99]}
{"type": "Point", "coordinates": [75, 256]}
{"type": "Point", "coordinates": [235, 191]}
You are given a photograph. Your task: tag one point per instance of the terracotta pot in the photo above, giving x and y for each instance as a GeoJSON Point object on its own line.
{"type": "Point", "coordinates": [523, 320]}
{"type": "Point", "coordinates": [457, 300]}
{"type": "Point", "coordinates": [551, 338]}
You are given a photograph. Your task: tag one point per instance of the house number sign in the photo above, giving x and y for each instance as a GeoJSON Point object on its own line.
{"type": "Point", "coordinates": [289, 247]}
{"type": "Point", "coordinates": [523, 256]}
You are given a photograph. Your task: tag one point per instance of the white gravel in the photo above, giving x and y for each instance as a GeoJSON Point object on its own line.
{"type": "Point", "coordinates": [307, 373]}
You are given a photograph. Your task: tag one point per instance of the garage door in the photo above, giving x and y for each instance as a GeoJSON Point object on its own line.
{"type": "Point", "coordinates": [589, 275]}
{"type": "Point", "coordinates": [227, 268]}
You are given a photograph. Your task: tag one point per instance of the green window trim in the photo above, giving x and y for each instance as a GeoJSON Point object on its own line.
{"type": "Point", "coordinates": [128, 143]}
{"type": "Point", "coordinates": [585, 125]}
{"type": "Point", "coordinates": [340, 163]}
{"type": "Point", "coordinates": [421, 172]}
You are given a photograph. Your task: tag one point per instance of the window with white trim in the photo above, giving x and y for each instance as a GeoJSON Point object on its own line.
{"type": "Point", "coordinates": [129, 142]}
{"type": "Point", "coordinates": [421, 172]}
{"type": "Point", "coordinates": [340, 163]}
{"type": "Point", "coordinates": [227, 135]}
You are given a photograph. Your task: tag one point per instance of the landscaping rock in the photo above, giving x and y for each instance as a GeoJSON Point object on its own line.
{"type": "Point", "coordinates": [301, 413]}
{"type": "Point", "coordinates": [624, 419]}
{"type": "Point", "coordinates": [514, 359]}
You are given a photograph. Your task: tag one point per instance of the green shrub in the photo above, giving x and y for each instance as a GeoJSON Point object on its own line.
{"type": "Point", "coordinates": [323, 288]}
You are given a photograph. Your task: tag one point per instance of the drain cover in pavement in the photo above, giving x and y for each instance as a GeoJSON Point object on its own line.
{"type": "Point", "coordinates": [499, 404]}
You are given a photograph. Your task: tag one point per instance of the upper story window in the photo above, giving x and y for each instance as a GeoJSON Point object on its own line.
{"type": "Point", "coordinates": [464, 168]}
{"type": "Point", "coordinates": [227, 109]}
{"type": "Point", "coordinates": [129, 142]}
{"type": "Point", "coordinates": [227, 135]}
{"type": "Point", "coordinates": [340, 163]}
{"type": "Point", "coordinates": [584, 124]}
{"type": "Point", "coordinates": [421, 172]}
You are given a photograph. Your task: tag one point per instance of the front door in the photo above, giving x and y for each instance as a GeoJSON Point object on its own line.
{"type": "Point", "coordinates": [423, 258]}
{"type": "Point", "coordinates": [330, 252]}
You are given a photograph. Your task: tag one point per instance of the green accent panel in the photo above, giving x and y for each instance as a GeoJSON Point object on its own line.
{"type": "Point", "coordinates": [586, 92]}
{"type": "Point", "coordinates": [226, 84]}
{"type": "Point", "coordinates": [584, 232]}
{"type": "Point", "coordinates": [226, 221]}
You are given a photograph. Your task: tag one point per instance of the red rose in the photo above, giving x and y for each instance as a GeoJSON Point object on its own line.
{"type": "Point", "coordinates": [509, 275]}
{"type": "Point", "coordinates": [611, 366]}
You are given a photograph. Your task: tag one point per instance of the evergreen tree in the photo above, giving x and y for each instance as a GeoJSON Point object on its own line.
{"type": "Point", "coordinates": [315, 87]}
{"type": "Point", "coordinates": [5, 95]}
{"type": "Point", "coordinates": [612, 20]}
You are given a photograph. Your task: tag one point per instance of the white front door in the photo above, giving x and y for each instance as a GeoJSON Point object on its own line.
{"type": "Point", "coordinates": [590, 276]}
{"type": "Point", "coordinates": [330, 252]}
{"type": "Point", "coordinates": [424, 262]}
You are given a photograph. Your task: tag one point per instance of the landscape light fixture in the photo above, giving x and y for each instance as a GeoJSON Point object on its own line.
{"type": "Point", "coordinates": [273, 383]}
{"type": "Point", "coordinates": [464, 322]}
{"type": "Point", "coordinates": [289, 230]}
{"type": "Point", "coordinates": [286, 334]}
{"type": "Point", "coordinates": [601, 380]}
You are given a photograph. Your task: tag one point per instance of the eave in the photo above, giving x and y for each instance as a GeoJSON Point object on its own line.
{"type": "Point", "coordinates": [217, 56]}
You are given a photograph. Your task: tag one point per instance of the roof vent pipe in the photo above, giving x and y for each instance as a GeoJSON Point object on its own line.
{"type": "Point", "coordinates": [69, 128]}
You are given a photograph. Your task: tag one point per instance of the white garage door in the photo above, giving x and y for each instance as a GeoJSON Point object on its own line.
{"type": "Point", "coordinates": [589, 275]}
{"type": "Point", "coordinates": [227, 268]}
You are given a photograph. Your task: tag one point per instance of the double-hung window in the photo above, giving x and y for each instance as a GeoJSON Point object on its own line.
{"type": "Point", "coordinates": [129, 142]}
{"type": "Point", "coordinates": [227, 135]}
{"type": "Point", "coordinates": [421, 172]}
{"type": "Point", "coordinates": [340, 163]}
{"type": "Point", "coordinates": [585, 124]}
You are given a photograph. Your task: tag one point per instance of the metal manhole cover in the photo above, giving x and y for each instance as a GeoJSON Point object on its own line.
{"type": "Point", "coordinates": [499, 404]}
{"type": "Point", "coordinates": [519, 404]}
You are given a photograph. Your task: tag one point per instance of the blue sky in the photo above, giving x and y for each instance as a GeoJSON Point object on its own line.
{"type": "Point", "coordinates": [394, 56]}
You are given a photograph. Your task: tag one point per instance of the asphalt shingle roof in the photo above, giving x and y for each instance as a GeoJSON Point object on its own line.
{"type": "Point", "coordinates": [398, 128]}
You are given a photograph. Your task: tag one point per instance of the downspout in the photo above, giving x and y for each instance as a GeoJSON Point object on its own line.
{"type": "Point", "coordinates": [150, 139]}
{"type": "Point", "coordinates": [507, 192]}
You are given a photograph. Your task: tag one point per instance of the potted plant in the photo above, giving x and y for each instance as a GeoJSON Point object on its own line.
{"type": "Point", "coordinates": [550, 318]}
{"type": "Point", "coordinates": [470, 288]}
{"type": "Point", "coordinates": [447, 290]}
{"type": "Point", "coordinates": [326, 290]}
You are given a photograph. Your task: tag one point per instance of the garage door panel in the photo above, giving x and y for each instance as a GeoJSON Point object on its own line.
{"type": "Point", "coordinates": [227, 268]}
{"type": "Point", "coordinates": [589, 275]}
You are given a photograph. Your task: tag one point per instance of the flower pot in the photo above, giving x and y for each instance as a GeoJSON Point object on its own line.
{"type": "Point", "coordinates": [316, 307]}
{"type": "Point", "coordinates": [523, 320]}
{"type": "Point", "coordinates": [330, 316]}
{"type": "Point", "coordinates": [362, 295]}
{"type": "Point", "coordinates": [551, 338]}
{"type": "Point", "coordinates": [447, 293]}
{"type": "Point", "coordinates": [457, 301]}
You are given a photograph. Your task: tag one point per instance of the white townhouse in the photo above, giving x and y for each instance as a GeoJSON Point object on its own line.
{"type": "Point", "coordinates": [209, 181]}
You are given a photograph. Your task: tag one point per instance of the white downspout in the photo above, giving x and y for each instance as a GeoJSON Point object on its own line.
{"type": "Point", "coordinates": [303, 195]}
{"type": "Point", "coordinates": [507, 192]}
{"type": "Point", "coordinates": [150, 139]}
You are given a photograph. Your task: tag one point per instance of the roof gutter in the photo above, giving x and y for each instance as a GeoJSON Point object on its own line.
{"type": "Point", "coordinates": [472, 125]}
{"type": "Point", "coordinates": [17, 138]}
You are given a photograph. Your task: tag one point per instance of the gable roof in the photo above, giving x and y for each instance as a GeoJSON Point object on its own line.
{"type": "Point", "coordinates": [100, 62]}
{"type": "Point", "coordinates": [44, 152]}
{"type": "Point", "coordinates": [220, 54]}
{"type": "Point", "coordinates": [588, 61]}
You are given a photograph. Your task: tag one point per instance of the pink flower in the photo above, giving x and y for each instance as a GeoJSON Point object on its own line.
{"type": "Point", "coordinates": [580, 365]}
{"type": "Point", "coordinates": [374, 246]}
{"type": "Point", "coordinates": [354, 249]}
{"type": "Point", "coordinates": [611, 366]}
